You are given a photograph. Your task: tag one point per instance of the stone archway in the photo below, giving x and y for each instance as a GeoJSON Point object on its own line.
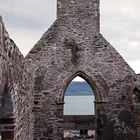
{"type": "Point", "coordinates": [94, 79]}
{"type": "Point", "coordinates": [89, 80]}
{"type": "Point", "coordinates": [99, 102]}
{"type": "Point", "coordinates": [97, 94]}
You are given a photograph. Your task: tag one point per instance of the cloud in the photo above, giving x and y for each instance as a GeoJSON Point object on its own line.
{"type": "Point", "coordinates": [26, 20]}
{"type": "Point", "coordinates": [78, 79]}
{"type": "Point", "coordinates": [120, 26]}
{"type": "Point", "coordinates": [135, 64]}
{"type": "Point", "coordinates": [25, 39]}
{"type": "Point", "coordinates": [28, 14]}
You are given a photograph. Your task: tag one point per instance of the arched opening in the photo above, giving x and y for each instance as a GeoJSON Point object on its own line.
{"type": "Point", "coordinates": [79, 109]}
{"type": "Point", "coordinates": [97, 107]}
{"type": "Point", "coordinates": [7, 125]}
{"type": "Point", "coordinates": [79, 93]}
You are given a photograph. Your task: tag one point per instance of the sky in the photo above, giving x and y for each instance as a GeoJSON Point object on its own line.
{"type": "Point", "coordinates": [27, 20]}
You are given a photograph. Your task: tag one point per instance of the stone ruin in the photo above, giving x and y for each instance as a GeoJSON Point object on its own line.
{"type": "Point", "coordinates": [32, 88]}
{"type": "Point", "coordinates": [16, 91]}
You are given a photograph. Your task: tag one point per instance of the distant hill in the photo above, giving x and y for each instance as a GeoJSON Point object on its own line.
{"type": "Point", "coordinates": [78, 89]}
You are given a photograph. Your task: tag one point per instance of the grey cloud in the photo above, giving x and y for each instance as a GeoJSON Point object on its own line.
{"type": "Point", "coordinates": [121, 26]}
{"type": "Point", "coordinates": [27, 20]}
{"type": "Point", "coordinates": [28, 14]}
{"type": "Point", "coordinates": [28, 23]}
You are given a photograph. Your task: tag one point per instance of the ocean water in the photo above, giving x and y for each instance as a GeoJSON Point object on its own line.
{"type": "Point", "coordinates": [79, 105]}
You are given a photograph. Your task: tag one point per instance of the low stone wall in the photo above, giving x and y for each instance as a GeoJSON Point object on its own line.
{"type": "Point", "coordinates": [72, 122]}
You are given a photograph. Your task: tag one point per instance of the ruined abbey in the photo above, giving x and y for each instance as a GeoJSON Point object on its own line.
{"type": "Point", "coordinates": [32, 88]}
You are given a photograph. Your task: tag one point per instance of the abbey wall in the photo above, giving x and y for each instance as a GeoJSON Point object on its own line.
{"type": "Point", "coordinates": [32, 89]}
{"type": "Point", "coordinates": [16, 94]}
{"type": "Point", "coordinates": [73, 46]}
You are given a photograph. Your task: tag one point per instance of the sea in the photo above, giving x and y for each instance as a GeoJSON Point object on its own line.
{"type": "Point", "coordinates": [79, 105]}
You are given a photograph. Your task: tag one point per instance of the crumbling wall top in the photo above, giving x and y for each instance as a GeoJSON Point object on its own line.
{"type": "Point", "coordinates": [73, 7]}
{"type": "Point", "coordinates": [79, 9]}
{"type": "Point", "coordinates": [8, 48]}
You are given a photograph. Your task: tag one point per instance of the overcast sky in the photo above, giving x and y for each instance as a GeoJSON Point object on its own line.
{"type": "Point", "coordinates": [27, 20]}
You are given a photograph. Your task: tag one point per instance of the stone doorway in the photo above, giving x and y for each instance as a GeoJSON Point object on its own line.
{"type": "Point", "coordinates": [98, 117]}
{"type": "Point", "coordinates": [79, 111]}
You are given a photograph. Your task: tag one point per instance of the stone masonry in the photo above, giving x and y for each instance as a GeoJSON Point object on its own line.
{"type": "Point", "coordinates": [35, 85]}
{"type": "Point", "coordinates": [16, 92]}
{"type": "Point", "coordinates": [73, 46]}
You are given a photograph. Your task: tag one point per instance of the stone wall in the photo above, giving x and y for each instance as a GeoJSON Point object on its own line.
{"type": "Point", "coordinates": [74, 47]}
{"type": "Point", "coordinates": [16, 95]}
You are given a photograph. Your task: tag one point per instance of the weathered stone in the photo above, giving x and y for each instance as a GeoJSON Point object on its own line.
{"type": "Point", "coordinates": [73, 46]}
{"type": "Point", "coordinates": [16, 96]}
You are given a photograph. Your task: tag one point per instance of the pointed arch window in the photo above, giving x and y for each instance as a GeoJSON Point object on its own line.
{"type": "Point", "coordinates": [79, 98]}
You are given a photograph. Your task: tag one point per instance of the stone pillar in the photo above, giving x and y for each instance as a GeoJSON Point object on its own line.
{"type": "Point", "coordinates": [100, 118]}
{"type": "Point", "coordinates": [59, 116]}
